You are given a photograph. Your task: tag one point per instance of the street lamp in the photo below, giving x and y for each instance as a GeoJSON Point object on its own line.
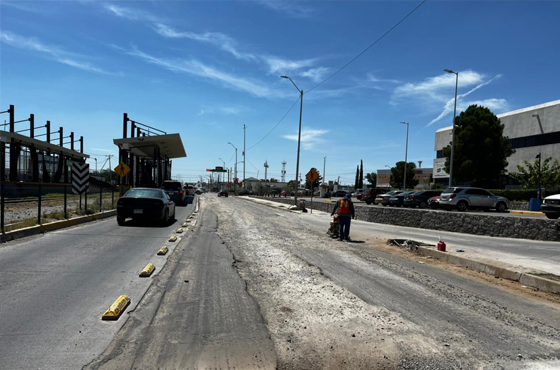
{"type": "Point", "coordinates": [405, 155]}
{"type": "Point", "coordinates": [453, 131]}
{"type": "Point", "coordinates": [234, 183]}
{"type": "Point", "coordinates": [299, 135]}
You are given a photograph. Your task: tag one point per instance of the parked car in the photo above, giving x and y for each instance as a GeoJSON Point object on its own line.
{"type": "Point", "coordinates": [358, 192]}
{"type": "Point", "coordinates": [145, 204]}
{"type": "Point", "coordinates": [433, 202]}
{"type": "Point", "coordinates": [420, 198]}
{"type": "Point", "coordinates": [371, 194]}
{"type": "Point", "coordinates": [397, 200]}
{"type": "Point", "coordinates": [223, 193]}
{"type": "Point", "coordinates": [175, 191]}
{"type": "Point", "coordinates": [198, 191]}
{"type": "Point", "coordinates": [284, 193]}
{"type": "Point", "coordinates": [463, 198]}
{"type": "Point", "coordinates": [551, 206]}
{"type": "Point", "coordinates": [383, 199]}
{"type": "Point", "coordinates": [339, 193]}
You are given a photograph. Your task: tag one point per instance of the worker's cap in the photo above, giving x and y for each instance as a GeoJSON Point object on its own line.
{"type": "Point", "coordinates": [347, 196]}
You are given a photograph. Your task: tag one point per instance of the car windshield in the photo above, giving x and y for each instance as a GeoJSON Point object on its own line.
{"type": "Point", "coordinates": [171, 186]}
{"type": "Point", "coordinates": [143, 193]}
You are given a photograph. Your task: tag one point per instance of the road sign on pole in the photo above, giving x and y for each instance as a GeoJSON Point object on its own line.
{"type": "Point", "coordinates": [80, 177]}
{"type": "Point", "coordinates": [312, 175]}
{"type": "Point", "coordinates": [122, 169]}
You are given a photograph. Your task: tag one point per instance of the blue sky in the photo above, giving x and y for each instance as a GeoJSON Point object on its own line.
{"type": "Point", "coordinates": [206, 68]}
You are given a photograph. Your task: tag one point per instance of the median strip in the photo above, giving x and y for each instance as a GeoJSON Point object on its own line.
{"type": "Point", "coordinates": [148, 270]}
{"type": "Point", "coordinates": [116, 309]}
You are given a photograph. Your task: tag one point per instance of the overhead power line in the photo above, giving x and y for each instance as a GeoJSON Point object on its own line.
{"type": "Point", "coordinates": [369, 47]}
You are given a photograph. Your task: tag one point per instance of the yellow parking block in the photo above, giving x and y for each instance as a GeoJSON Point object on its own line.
{"type": "Point", "coordinates": [531, 213]}
{"type": "Point", "coordinates": [179, 230]}
{"type": "Point", "coordinates": [173, 238]}
{"type": "Point", "coordinates": [184, 224]}
{"type": "Point", "coordinates": [328, 201]}
{"type": "Point", "coordinates": [116, 309]}
{"type": "Point", "coordinates": [163, 251]}
{"type": "Point", "coordinates": [148, 270]}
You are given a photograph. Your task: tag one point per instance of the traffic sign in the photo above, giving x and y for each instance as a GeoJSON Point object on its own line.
{"type": "Point", "coordinates": [80, 177]}
{"type": "Point", "coordinates": [312, 175]}
{"type": "Point", "coordinates": [122, 169]}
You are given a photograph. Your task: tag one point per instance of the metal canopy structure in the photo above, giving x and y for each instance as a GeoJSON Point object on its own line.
{"type": "Point", "coordinates": [6, 137]}
{"type": "Point", "coordinates": [148, 153]}
{"type": "Point", "coordinates": [170, 146]}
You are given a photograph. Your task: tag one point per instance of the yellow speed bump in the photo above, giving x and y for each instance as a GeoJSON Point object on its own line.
{"type": "Point", "coordinates": [148, 270]}
{"type": "Point", "coordinates": [162, 251]}
{"type": "Point", "coordinates": [185, 224]}
{"type": "Point", "coordinates": [173, 238]}
{"type": "Point", "coordinates": [179, 230]}
{"type": "Point", "coordinates": [116, 309]}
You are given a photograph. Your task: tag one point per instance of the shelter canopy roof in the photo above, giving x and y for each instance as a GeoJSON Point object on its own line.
{"type": "Point", "coordinates": [6, 137]}
{"type": "Point", "coordinates": [170, 145]}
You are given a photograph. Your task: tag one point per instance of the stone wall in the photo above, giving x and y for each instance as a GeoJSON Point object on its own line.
{"type": "Point", "coordinates": [468, 223]}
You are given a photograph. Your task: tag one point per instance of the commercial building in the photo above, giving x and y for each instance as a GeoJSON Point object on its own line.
{"type": "Point", "coordinates": [423, 175]}
{"type": "Point", "coordinates": [531, 131]}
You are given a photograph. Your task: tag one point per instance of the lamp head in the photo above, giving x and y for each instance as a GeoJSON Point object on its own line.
{"type": "Point", "coordinates": [284, 76]}
{"type": "Point", "coordinates": [448, 71]}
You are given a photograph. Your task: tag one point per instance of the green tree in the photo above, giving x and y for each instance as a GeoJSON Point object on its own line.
{"type": "Point", "coordinates": [397, 175]}
{"type": "Point", "coordinates": [481, 149]}
{"type": "Point", "coordinates": [361, 179]}
{"type": "Point", "coordinates": [528, 175]}
{"type": "Point", "coordinates": [316, 183]}
{"type": "Point", "coordinates": [371, 178]}
{"type": "Point", "coordinates": [357, 180]}
{"type": "Point", "coordinates": [292, 185]}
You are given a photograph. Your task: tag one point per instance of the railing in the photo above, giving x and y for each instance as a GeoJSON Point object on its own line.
{"type": "Point", "coordinates": [27, 204]}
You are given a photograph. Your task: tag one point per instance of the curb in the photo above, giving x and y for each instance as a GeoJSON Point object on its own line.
{"type": "Point", "coordinates": [533, 281]}
{"type": "Point", "coordinates": [530, 213]}
{"type": "Point", "coordinates": [52, 226]}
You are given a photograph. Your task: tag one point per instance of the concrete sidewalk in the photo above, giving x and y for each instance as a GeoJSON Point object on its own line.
{"type": "Point", "coordinates": [527, 261]}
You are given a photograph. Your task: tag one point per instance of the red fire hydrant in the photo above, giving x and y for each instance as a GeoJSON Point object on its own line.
{"type": "Point", "coordinates": [441, 246]}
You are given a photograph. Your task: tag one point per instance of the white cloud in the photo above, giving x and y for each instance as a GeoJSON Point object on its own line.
{"type": "Point", "coordinates": [279, 65]}
{"type": "Point", "coordinates": [53, 52]}
{"type": "Point", "coordinates": [493, 103]}
{"type": "Point", "coordinates": [316, 74]}
{"type": "Point", "coordinates": [373, 78]}
{"type": "Point", "coordinates": [291, 8]}
{"type": "Point", "coordinates": [310, 137]}
{"type": "Point", "coordinates": [432, 86]}
{"type": "Point", "coordinates": [196, 68]}
{"type": "Point", "coordinates": [226, 110]}
{"type": "Point", "coordinates": [224, 42]}
{"type": "Point", "coordinates": [131, 14]}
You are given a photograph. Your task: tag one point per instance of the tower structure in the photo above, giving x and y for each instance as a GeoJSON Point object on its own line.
{"type": "Point", "coordinates": [284, 171]}
{"type": "Point", "coordinates": [265, 169]}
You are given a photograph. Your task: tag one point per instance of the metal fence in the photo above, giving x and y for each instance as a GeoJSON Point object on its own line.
{"type": "Point", "coordinates": [27, 204]}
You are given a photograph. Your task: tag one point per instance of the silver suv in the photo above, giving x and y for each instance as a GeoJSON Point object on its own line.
{"type": "Point", "coordinates": [463, 198]}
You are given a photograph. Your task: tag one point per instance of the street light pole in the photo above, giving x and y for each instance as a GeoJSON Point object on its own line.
{"type": "Point", "coordinates": [299, 136]}
{"type": "Point", "coordinates": [539, 177]}
{"type": "Point", "coordinates": [324, 169]}
{"type": "Point", "coordinates": [453, 130]}
{"type": "Point", "coordinates": [405, 155]}
{"type": "Point", "coordinates": [234, 184]}
{"type": "Point", "coordinates": [244, 137]}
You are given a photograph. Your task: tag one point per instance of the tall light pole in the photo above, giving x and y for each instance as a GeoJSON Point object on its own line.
{"type": "Point", "coordinates": [453, 130]}
{"type": "Point", "coordinates": [324, 168]}
{"type": "Point", "coordinates": [244, 137]}
{"type": "Point", "coordinates": [95, 165]}
{"type": "Point", "coordinates": [221, 183]}
{"type": "Point", "coordinates": [405, 155]}
{"type": "Point", "coordinates": [299, 135]}
{"type": "Point", "coordinates": [234, 184]}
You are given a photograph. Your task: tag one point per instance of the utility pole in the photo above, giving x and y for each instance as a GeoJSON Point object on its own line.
{"type": "Point", "coordinates": [324, 169]}
{"type": "Point", "coordinates": [244, 154]}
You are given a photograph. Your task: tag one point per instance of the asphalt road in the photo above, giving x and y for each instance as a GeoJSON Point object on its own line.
{"type": "Point", "coordinates": [55, 287]}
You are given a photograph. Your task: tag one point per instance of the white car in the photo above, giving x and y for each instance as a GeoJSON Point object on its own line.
{"type": "Point", "coordinates": [551, 206]}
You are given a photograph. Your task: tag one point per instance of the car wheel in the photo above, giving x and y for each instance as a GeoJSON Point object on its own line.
{"type": "Point", "coordinates": [383, 204]}
{"type": "Point", "coordinates": [462, 206]}
{"type": "Point", "coordinates": [173, 215]}
{"type": "Point", "coordinates": [368, 202]}
{"type": "Point", "coordinates": [422, 205]}
{"type": "Point", "coordinates": [552, 216]}
{"type": "Point", "coordinates": [120, 220]}
{"type": "Point", "coordinates": [165, 220]}
{"type": "Point", "coordinates": [501, 207]}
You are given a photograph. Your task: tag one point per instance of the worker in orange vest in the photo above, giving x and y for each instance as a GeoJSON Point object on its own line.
{"type": "Point", "coordinates": [345, 209]}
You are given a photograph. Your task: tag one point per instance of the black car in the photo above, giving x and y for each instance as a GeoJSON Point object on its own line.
{"type": "Point", "coordinates": [397, 200]}
{"type": "Point", "coordinates": [420, 198]}
{"type": "Point", "coordinates": [223, 193]}
{"type": "Point", "coordinates": [145, 204]}
{"type": "Point", "coordinates": [339, 193]}
{"type": "Point", "coordinates": [175, 191]}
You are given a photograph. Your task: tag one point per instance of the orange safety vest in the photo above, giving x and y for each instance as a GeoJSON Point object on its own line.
{"type": "Point", "coordinates": [344, 207]}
